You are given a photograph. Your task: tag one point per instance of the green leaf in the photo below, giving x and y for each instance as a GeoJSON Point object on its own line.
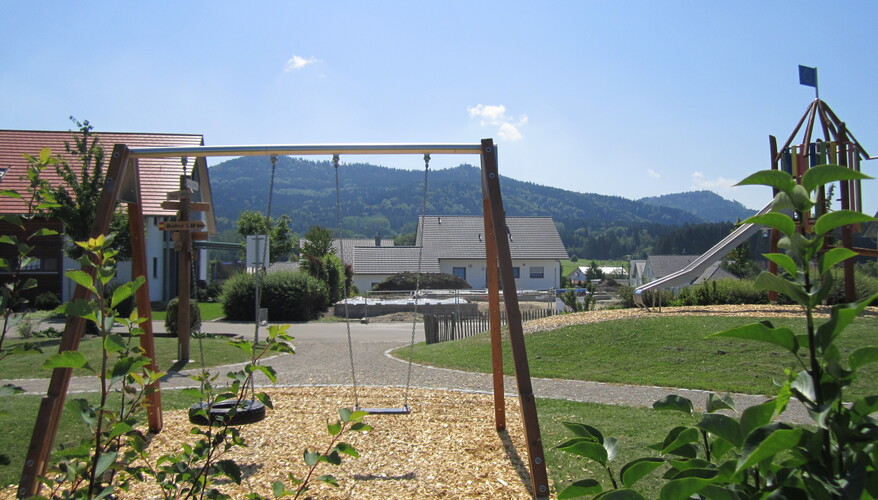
{"type": "Point", "coordinates": [328, 479]}
{"type": "Point", "coordinates": [784, 261]}
{"type": "Point", "coordinates": [580, 489]}
{"type": "Point", "coordinates": [9, 193]}
{"type": "Point", "coordinates": [682, 489]}
{"type": "Point", "coordinates": [865, 406]}
{"type": "Point", "coordinates": [637, 469]}
{"type": "Point", "coordinates": [779, 221]}
{"type": "Point", "coordinates": [311, 458]}
{"type": "Point", "coordinates": [345, 414]}
{"type": "Point", "coordinates": [121, 293]}
{"type": "Point", "coordinates": [774, 178]}
{"type": "Point", "coordinates": [678, 437]}
{"type": "Point", "coordinates": [780, 336]}
{"type": "Point", "coordinates": [863, 356]}
{"type": "Point", "coordinates": [673, 402]}
{"type": "Point", "coordinates": [83, 279]}
{"type": "Point", "coordinates": [716, 403]}
{"type": "Point", "coordinates": [230, 469]}
{"type": "Point", "coordinates": [768, 281]}
{"type": "Point", "coordinates": [756, 416]}
{"type": "Point", "coordinates": [334, 428]}
{"type": "Point", "coordinates": [347, 449]}
{"type": "Point", "coordinates": [834, 256]}
{"type": "Point", "coordinates": [115, 343]}
{"type": "Point", "coordinates": [722, 426]}
{"type": "Point", "coordinates": [67, 359]}
{"type": "Point", "coordinates": [587, 449]}
{"type": "Point", "coordinates": [819, 175]}
{"type": "Point", "coordinates": [840, 316]}
{"type": "Point", "coordinates": [120, 429]}
{"type": "Point", "coordinates": [584, 430]}
{"type": "Point", "coordinates": [766, 442]}
{"type": "Point", "coordinates": [279, 489]}
{"type": "Point", "coordinates": [332, 458]}
{"type": "Point", "coordinates": [104, 462]}
{"type": "Point", "coordinates": [45, 156]}
{"type": "Point", "coordinates": [832, 220]}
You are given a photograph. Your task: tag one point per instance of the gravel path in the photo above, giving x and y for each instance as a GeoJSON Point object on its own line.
{"type": "Point", "coordinates": [322, 359]}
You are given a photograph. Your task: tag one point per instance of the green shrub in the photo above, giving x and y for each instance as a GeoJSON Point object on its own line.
{"type": "Point", "coordinates": [429, 281]}
{"type": "Point", "coordinates": [46, 301]}
{"type": "Point", "coordinates": [171, 324]}
{"type": "Point", "coordinates": [288, 296]}
{"type": "Point", "coordinates": [722, 291]}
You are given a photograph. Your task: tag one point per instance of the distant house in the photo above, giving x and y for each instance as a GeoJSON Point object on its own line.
{"type": "Point", "coordinates": [157, 178]}
{"type": "Point", "coordinates": [637, 268]}
{"type": "Point", "coordinates": [456, 245]}
{"type": "Point", "coordinates": [659, 266]}
{"type": "Point", "coordinates": [579, 274]}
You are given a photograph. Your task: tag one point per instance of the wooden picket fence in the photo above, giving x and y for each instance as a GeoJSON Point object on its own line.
{"type": "Point", "coordinates": [445, 327]}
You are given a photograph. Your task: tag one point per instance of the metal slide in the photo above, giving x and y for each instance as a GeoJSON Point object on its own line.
{"type": "Point", "coordinates": [689, 273]}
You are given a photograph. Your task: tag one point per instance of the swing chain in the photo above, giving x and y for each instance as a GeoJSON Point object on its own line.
{"type": "Point", "coordinates": [408, 379]}
{"type": "Point", "coordinates": [345, 284]}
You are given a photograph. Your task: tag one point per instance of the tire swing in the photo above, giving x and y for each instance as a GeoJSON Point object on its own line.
{"type": "Point", "coordinates": [235, 412]}
{"type": "Point", "coordinates": [405, 409]}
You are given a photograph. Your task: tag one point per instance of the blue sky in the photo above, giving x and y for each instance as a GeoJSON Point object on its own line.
{"type": "Point", "coordinates": [628, 98]}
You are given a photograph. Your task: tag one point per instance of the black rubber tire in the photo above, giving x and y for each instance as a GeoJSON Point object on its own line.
{"type": "Point", "coordinates": [250, 411]}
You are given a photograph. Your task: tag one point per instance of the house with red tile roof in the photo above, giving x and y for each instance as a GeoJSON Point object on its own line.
{"type": "Point", "coordinates": [157, 178]}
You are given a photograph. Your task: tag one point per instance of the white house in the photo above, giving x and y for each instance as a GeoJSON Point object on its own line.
{"type": "Point", "coordinates": [456, 245]}
{"type": "Point", "coordinates": [579, 274]}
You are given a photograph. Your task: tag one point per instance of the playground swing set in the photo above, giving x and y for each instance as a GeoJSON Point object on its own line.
{"type": "Point", "coordinates": [123, 184]}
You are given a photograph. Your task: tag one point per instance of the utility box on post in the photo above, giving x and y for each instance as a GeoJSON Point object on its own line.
{"type": "Point", "coordinates": [257, 252]}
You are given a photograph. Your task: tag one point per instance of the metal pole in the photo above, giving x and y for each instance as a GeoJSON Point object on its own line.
{"type": "Point", "coordinates": [305, 149]}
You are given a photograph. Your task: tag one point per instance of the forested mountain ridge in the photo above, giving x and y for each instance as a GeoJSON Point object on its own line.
{"type": "Point", "coordinates": [384, 200]}
{"type": "Point", "coordinates": [305, 190]}
{"type": "Point", "coordinates": [711, 206]}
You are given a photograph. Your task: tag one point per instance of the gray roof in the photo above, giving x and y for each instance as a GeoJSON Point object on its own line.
{"type": "Point", "coordinates": [663, 265]}
{"type": "Point", "coordinates": [637, 267]}
{"type": "Point", "coordinates": [391, 260]}
{"type": "Point", "coordinates": [714, 272]}
{"type": "Point", "coordinates": [347, 245]}
{"type": "Point", "coordinates": [463, 237]}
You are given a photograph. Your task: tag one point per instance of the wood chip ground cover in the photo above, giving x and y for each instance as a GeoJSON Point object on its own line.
{"type": "Point", "coordinates": [447, 447]}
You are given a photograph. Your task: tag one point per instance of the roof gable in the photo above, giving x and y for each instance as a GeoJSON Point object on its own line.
{"type": "Point", "coordinates": [158, 176]}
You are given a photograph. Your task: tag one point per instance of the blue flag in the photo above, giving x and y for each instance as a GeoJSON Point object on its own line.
{"type": "Point", "coordinates": [808, 76]}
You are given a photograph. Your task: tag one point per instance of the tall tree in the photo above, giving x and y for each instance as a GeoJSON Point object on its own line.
{"type": "Point", "coordinates": [77, 196]}
{"type": "Point", "coordinates": [318, 242]}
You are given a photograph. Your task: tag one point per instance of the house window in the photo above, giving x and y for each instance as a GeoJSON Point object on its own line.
{"type": "Point", "coordinates": [460, 272]}
{"type": "Point", "coordinates": [3, 173]}
{"type": "Point", "coordinates": [536, 272]}
{"type": "Point", "coordinates": [516, 272]}
{"type": "Point", "coordinates": [33, 265]}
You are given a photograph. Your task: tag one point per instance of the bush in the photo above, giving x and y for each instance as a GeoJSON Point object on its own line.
{"type": "Point", "coordinates": [171, 324]}
{"type": "Point", "coordinates": [722, 291]}
{"type": "Point", "coordinates": [288, 296]}
{"type": "Point", "coordinates": [429, 281]}
{"type": "Point", "coordinates": [46, 301]}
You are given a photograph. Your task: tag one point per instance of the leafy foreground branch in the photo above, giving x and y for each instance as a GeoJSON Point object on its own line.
{"type": "Point", "coordinates": [725, 457]}
{"type": "Point", "coordinates": [116, 457]}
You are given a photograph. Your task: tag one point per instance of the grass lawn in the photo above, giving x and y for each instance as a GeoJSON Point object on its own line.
{"type": "Point", "coordinates": [217, 351]}
{"type": "Point", "coordinates": [209, 311]}
{"type": "Point", "coordinates": [668, 351]}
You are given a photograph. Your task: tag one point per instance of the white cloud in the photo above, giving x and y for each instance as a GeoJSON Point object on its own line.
{"type": "Point", "coordinates": [652, 173]}
{"type": "Point", "coordinates": [721, 184]}
{"type": "Point", "coordinates": [298, 62]}
{"type": "Point", "coordinates": [495, 115]}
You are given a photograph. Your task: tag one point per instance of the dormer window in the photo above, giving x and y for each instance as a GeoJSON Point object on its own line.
{"type": "Point", "coordinates": [3, 173]}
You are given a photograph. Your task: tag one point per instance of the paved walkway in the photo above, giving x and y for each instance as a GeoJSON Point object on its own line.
{"type": "Point", "coordinates": [322, 358]}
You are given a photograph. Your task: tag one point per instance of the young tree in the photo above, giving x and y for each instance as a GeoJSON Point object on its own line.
{"type": "Point", "coordinates": [318, 242]}
{"type": "Point", "coordinates": [283, 242]}
{"type": "Point", "coordinates": [77, 196]}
